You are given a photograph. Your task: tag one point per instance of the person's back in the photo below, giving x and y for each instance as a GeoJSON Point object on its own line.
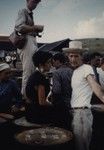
{"type": "Point", "coordinates": [61, 90]}
{"type": "Point", "coordinates": [34, 81]}
{"type": "Point", "coordinates": [62, 85]}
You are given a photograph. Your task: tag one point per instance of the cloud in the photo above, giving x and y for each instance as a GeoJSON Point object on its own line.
{"type": "Point", "coordinates": [93, 27]}
{"type": "Point", "coordinates": [68, 6]}
{"type": "Point", "coordinates": [47, 3]}
{"type": "Point", "coordinates": [63, 25]}
{"type": "Point", "coordinates": [61, 8]}
{"type": "Point", "coordinates": [59, 32]}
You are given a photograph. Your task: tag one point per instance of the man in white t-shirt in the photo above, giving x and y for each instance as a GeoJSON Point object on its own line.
{"type": "Point", "coordinates": [83, 85]}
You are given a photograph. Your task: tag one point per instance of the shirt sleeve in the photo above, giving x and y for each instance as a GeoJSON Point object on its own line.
{"type": "Point", "coordinates": [21, 20]}
{"type": "Point", "coordinates": [88, 70]}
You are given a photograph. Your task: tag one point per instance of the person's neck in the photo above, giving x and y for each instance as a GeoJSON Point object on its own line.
{"type": "Point", "coordinates": [79, 65]}
{"type": "Point", "coordinates": [41, 70]}
{"type": "Point", "coordinates": [29, 10]}
{"type": "Point", "coordinates": [59, 66]}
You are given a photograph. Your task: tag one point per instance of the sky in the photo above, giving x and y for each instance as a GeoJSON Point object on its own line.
{"type": "Point", "coordinates": [62, 19]}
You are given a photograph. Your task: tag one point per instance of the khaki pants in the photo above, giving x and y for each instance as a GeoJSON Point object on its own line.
{"type": "Point", "coordinates": [82, 128]}
{"type": "Point", "coordinates": [26, 58]}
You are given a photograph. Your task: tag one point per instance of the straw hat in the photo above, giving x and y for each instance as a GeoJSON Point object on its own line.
{"type": "Point", "coordinates": [4, 66]}
{"type": "Point", "coordinates": [74, 46]}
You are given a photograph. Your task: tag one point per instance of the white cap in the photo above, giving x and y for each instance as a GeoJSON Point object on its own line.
{"type": "Point", "coordinates": [74, 46]}
{"type": "Point", "coordinates": [4, 66]}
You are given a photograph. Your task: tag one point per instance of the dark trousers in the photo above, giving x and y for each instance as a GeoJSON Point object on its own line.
{"type": "Point", "coordinates": [39, 114]}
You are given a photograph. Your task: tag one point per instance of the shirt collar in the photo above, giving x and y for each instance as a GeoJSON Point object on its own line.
{"type": "Point", "coordinates": [29, 11]}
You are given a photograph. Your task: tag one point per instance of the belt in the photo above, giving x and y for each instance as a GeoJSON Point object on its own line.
{"type": "Point", "coordinates": [84, 107]}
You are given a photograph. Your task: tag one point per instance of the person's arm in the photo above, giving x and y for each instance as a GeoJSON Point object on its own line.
{"type": "Point", "coordinates": [17, 94]}
{"type": "Point", "coordinates": [97, 89]}
{"type": "Point", "coordinates": [22, 27]}
{"type": "Point", "coordinates": [26, 28]}
{"type": "Point", "coordinates": [41, 95]}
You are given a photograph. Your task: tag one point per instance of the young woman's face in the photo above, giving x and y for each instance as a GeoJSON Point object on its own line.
{"type": "Point", "coordinates": [47, 65]}
{"type": "Point", "coordinates": [5, 74]}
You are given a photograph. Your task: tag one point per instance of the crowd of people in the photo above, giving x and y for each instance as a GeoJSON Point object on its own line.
{"type": "Point", "coordinates": [59, 91]}
{"type": "Point", "coordinates": [58, 88]}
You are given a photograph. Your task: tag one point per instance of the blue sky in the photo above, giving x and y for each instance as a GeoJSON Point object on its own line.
{"type": "Point", "coordinates": [61, 18]}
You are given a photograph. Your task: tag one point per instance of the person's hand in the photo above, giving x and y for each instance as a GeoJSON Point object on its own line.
{"type": "Point", "coordinates": [48, 102]}
{"type": "Point", "coordinates": [15, 109]}
{"type": "Point", "coordinates": [39, 28]}
{"type": "Point", "coordinates": [49, 97]}
{"type": "Point", "coordinates": [22, 109]}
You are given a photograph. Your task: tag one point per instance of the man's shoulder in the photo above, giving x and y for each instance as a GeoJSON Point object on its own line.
{"type": "Point", "coordinates": [64, 69]}
{"type": "Point", "coordinates": [23, 11]}
{"type": "Point", "coordinates": [84, 67]}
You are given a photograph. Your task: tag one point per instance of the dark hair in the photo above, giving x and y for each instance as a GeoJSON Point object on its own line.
{"type": "Point", "coordinates": [86, 57]}
{"type": "Point", "coordinates": [61, 57]}
{"type": "Point", "coordinates": [41, 57]}
{"type": "Point", "coordinates": [35, 0]}
{"type": "Point", "coordinates": [102, 61]}
{"type": "Point", "coordinates": [94, 54]}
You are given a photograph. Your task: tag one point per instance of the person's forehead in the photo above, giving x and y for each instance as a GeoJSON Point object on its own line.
{"type": "Point", "coordinates": [74, 54]}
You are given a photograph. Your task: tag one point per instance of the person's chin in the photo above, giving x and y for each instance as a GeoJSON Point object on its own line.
{"type": "Point", "coordinates": [34, 7]}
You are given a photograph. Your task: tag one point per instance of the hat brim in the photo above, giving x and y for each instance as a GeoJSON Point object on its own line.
{"type": "Point", "coordinates": [4, 67]}
{"type": "Point", "coordinates": [70, 50]}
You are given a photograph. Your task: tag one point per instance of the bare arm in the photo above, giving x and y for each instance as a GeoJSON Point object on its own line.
{"type": "Point", "coordinates": [97, 89]}
{"type": "Point", "coordinates": [41, 95]}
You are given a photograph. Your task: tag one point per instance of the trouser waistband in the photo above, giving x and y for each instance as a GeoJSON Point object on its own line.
{"type": "Point", "coordinates": [85, 107]}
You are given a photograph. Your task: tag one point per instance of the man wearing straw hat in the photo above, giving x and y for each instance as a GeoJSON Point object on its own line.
{"type": "Point", "coordinates": [83, 85]}
{"type": "Point", "coordinates": [71, 53]}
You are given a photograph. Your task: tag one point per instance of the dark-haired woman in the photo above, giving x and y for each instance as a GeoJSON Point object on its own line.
{"type": "Point", "coordinates": [38, 109]}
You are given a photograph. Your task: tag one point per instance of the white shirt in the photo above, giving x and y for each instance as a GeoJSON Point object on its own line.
{"type": "Point", "coordinates": [81, 90]}
{"type": "Point", "coordinates": [101, 76]}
